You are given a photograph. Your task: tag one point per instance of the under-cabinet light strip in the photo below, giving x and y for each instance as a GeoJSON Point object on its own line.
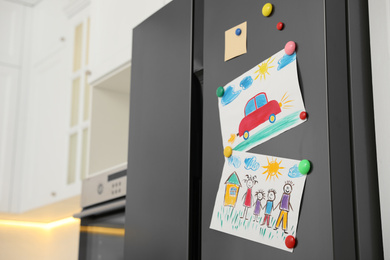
{"type": "Point", "coordinates": [49, 225]}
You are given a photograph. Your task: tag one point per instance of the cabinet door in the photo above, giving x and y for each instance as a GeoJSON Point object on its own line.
{"type": "Point", "coordinates": [9, 87]}
{"type": "Point", "coordinates": [112, 23]}
{"type": "Point", "coordinates": [47, 132]}
{"type": "Point", "coordinates": [49, 28]}
{"type": "Point", "coordinates": [11, 31]}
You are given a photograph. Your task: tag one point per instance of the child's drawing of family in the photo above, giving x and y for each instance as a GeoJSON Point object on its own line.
{"type": "Point", "coordinates": [255, 201]}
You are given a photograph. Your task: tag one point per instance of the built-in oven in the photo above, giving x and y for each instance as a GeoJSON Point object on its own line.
{"type": "Point", "coordinates": [102, 229]}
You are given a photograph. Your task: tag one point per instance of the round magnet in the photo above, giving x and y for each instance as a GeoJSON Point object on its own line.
{"type": "Point", "coordinates": [280, 26]}
{"type": "Point", "coordinates": [238, 31]}
{"type": "Point", "coordinates": [228, 151]}
{"type": "Point", "coordinates": [304, 167]}
{"type": "Point", "coordinates": [303, 115]}
{"type": "Point", "coordinates": [289, 48]}
{"type": "Point", "coordinates": [220, 92]}
{"type": "Point", "coordinates": [267, 9]}
{"type": "Point", "coordinates": [290, 241]}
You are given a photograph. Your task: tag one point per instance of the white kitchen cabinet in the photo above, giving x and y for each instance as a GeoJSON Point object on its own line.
{"type": "Point", "coordinates": [15, 20]}
{"type": "Point", "coordinates": [49, 28]}
{"type": "Point", "coordinates": [45, 98]}
{"type": "Point", "coordinates": [112, 26]}
{"type": "Point", "coordinates": [56, 129]}
{"type": "Point", "coordinates": [11, 31]}
{"type": "Point", "coordinates": [37, 76]}
{"type": "Point", "coordinates": [44, 172]}
{"type": "Point", "coordinates": [42, 178]}
{"type": "Point", "coordinates": [9, 79]}
{"type": "Point", "coordinates": [112, 23]}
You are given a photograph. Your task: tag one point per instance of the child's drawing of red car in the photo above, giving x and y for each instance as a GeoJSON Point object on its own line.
{"type": "Point", "coordinates": [258, 110]}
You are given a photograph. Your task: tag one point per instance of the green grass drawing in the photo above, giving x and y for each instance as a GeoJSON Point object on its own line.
{"type": "Point", "coordinates": [232, 217]}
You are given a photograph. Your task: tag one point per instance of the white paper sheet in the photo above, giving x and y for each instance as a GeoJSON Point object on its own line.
{"type": "Point", "coordinates": [239, 214]}
{"type": "Point", "coordinates": [261, 103]}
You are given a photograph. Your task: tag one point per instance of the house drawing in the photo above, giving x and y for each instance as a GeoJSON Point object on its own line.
{"type": "Point", "coordinates": [233, 185]}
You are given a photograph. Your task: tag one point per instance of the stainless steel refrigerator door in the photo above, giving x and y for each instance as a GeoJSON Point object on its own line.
{"type": "Point", "coordinates": [157, 209]}
{"type": "Point", "coordinates": [326, 223]}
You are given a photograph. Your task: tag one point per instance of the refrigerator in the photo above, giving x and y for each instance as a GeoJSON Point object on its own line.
{"type": "Point", "coordinates": [175, 157]}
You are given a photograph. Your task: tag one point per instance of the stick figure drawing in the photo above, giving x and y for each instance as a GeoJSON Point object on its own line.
{"type": "Point", "coordinates": [260, 195]}
{"type": "Point", "coordinates": [248, 198]}
{"type": "Point", "coordinates": [269, 206]}
{"type": "Point", "coordinates": [285, 206]}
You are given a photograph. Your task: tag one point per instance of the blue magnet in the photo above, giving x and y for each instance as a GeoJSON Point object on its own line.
{"type": "Point", "coordinates": [238, 31]}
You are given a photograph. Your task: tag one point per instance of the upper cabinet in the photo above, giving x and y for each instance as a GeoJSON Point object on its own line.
{"type": "Point", "coordinates": [49, 29]}
{"type": "Point", "coordinates": [12, 32]}
{"type": "Point", "coordinates": [112, 24]}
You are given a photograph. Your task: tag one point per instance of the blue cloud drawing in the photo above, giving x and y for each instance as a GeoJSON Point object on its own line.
{"type": "Point", "coordinates": [235, 160]}
{"type": "Point", "coordinates": [251, 164]}
{"type": "Point", "coordinates": [246, 82]}
{"type": "Point", "coordinates": [285, 60]}
{"type": "Point", "coordinates": [294, 172]}
{"type": "Point", "coordinates": [229, 95]}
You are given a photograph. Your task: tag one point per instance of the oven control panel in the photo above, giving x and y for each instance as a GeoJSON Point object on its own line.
{"type": "Point", "coordinates": [104, 186]}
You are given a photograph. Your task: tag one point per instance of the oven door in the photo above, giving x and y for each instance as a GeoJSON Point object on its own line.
{"type": "Point", "coordinates": [102, 231]}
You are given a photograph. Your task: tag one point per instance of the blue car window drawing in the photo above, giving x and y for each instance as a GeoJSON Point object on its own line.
{"type": "Point", "coordinates": [261, 100]}
{"type": "Point", "coordinates": [250, 107]}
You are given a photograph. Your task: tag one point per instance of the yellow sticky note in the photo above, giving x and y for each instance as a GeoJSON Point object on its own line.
{"type": "Point", "coordinates": [235, 45]}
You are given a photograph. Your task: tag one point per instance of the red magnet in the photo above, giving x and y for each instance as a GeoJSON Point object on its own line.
{"type": "Point", "coordinates": [280, 26]}
{"type": "Point", "coordinates": [290, 242]}
{"type": "Point", "coordinates": [303, 115]}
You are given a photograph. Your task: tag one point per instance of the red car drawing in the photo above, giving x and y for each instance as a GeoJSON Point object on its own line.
{"type": "Point", "coordinates": [258, 110]}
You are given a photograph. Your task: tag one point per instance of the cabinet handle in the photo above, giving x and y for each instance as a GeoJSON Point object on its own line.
{"type": "Point", "coordinates": [62, 39]}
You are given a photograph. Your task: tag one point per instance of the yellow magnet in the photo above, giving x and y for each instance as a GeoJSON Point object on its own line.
{"type": "Point", "coordinates": [267, 9]}
{"type": "Point", "coordinates": [228, 151]}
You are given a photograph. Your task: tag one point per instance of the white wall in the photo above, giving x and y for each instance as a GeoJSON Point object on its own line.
{"type": "Point", "coordinates": [379, 11]}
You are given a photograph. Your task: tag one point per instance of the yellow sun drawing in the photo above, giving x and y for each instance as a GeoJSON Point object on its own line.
{"type": "Point", "coordinates": [263, 68]}
{"type": "Point", "coordinates": [273, 168]}
{"type": "Point", "coordinates": [232, 138]}
{"type": "Point", "coordinates": [284, 101]}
